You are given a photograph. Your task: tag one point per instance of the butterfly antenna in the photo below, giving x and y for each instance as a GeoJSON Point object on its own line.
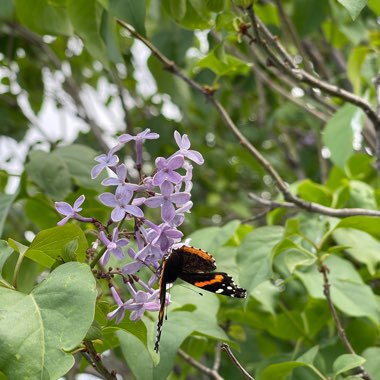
{"type": "Point", "coordinates": [187, 287]}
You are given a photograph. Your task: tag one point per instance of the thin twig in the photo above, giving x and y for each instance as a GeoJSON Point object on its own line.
{"type": "Point", "coordinates": [341, 332]}
{"type": "Point", "coordinates": [293, 34]}
{"type": "Point", "coordinates": [227, 348]}
{"type": "Point", "coordinates": [280, 183]}
{"type": "Point", "coordinates": [271, 204]}
{"type": "Point", "coordinates": [302, 76]}
{"type": "Point", "coordinates": [95, 360]}
{"type": "Point", "coordinates": [201, 367]}
{"type": "Point", "coordinates": [217, 358]}
{"type": "Point", "coordinates": [279, 88]}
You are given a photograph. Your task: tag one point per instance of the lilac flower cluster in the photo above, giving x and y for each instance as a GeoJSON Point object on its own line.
{"type": "Point", "coordinates": [167, 188]}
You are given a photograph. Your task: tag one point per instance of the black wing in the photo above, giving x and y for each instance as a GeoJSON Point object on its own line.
{"type": "Point", "coordinates": [216, 282]}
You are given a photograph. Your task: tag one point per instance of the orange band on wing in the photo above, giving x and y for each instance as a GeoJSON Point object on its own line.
{"type": "Point", "coordinates": [196, 251]}
{"type": "Point", "coordinates": [216, 279]}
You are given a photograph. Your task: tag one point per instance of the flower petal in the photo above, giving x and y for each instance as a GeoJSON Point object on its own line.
{"type": "Point", "coordinates": [108, 199]}
{"type": "Point", "coordinates": [134, 210]}
{"type": "Point", "coordinates": [64, 208]}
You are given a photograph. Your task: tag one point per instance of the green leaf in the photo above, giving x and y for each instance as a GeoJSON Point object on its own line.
{"type": "Point", "coordinates": [309, 356]}
{"type": "Point", "coordinates": [362, 195]}
{"type": "Point", "coordinates": [348, 292]}
{"type": "Point", "coordinates": [372, 364]}
{"type": "Point", "coordinates": [38, 330]}
{"type": "Point", "coordinates": [213, 238]}
{"type": "Point", "coordinates": [354, 65]}
{"type": "Point", "coordinates": [361, 246]}
{"type": "Point", "coordinates": [44, 17]}
{"type": "Point", "coordinates": [6, 9]}
{"type": "Point", "coordinates": [338, 134]}
{"type": "Point", "coordinates": [6, 201]}
{"type": "Point", "coordinates": [80, 160]}
{"type": "Point", "coordinates": [254, 257]}
{"type": "Point", "coordinates": [346, 362]}
{"type": "Point", "coordinates": [294, 255]}
{"type": "Point", "coordinates": [196, 16]}
{"type": "Point", "coordinates": [374, 5]}
{"type": "Point", "coordinates": [281, 371]}
{"type": "Point", "coordinates": [314, 192]}
{"type": "Point", "coordinates": [360, 166]}
{"type": "Point", "coordinates": [50, 173]}
{"type": "Point", "coordinates": [85, 17]}
{"type": "Point", "coordinates": [175, 8]}
{"type": "Point", "coordinates": [180, 324]}
{"type": "Point", "coordinates": [215, 5]}
{"type": "Point", "coordinates": [369, 224]}
{"type": "Point", "coordinates": [308, 19]}
{"type": "Point", "coordinates": [5, 252]}
{"type": "Point", "coordinates": [354, 7]}
{"type": "Point", "coordinates": [108, 31]}
{"type": "Point", "coordinates": [224, 64]}
{"type": "Point", "coordinates": [130, 11]}
{"type": "Point", "coordinates": [267, 294]}
{"type": "Point", "coordinates": [47, 246]}
{"type": "Point", "coordinates": [39, 209]}
{"type": "Point", "coordinates": [12, 119]}
{"type": "Point", "coordinates": [136, 355]}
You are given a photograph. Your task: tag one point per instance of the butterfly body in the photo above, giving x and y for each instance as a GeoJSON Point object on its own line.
{"type": "Point", "coordinates": [194, 266]}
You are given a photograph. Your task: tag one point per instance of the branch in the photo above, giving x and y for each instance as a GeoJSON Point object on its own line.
{"type": "Point", "coordinates": [227, 349]}
{"type": "Point", "coordinates": [288, 66]}
{"type": "Point", "coordinates": [293, 34]}
{"type": "Point", "coordinates": [194, 363]}
{"type": "Point", "coordinates": [95, 360]}
{"type": "Point", "coordinates": [285, 92]}
{"type": "Point", "coordinates": [280, 183]}
{"type": "Point", "coordinates": [341, 332]}
{"type": "Point", "coordinates": [271, 204]}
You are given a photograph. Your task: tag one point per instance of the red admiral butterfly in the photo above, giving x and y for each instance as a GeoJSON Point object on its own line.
{"type": "Point", "coordinates": [194, 266]}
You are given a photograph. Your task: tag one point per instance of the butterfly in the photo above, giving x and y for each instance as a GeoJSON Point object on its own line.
{"type": "Point", "coordinates": [194, 266]}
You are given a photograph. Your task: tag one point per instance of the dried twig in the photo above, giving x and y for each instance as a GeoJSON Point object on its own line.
{"type": "Point", "coordinates": [201, 367]}
{"type": "Point", "coordinates": [341, 332]}
{"type": "Point", "coordinates": [227, 349]}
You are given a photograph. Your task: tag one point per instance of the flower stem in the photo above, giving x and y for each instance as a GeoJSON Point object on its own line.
{"type": "Point", "coordinates": [97, 257]}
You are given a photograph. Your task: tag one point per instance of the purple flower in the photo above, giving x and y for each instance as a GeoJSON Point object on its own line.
{"type": "Point", "coordinates": [70, 212]}
{"type": "Point", "coordinates": [179, 217]}
{"type": "Point", "coordinates": [121, 173]}
{"type": "Point", "coordinates": [120, 203]}
{"type": "Point", "coordinates": [162, 236]}
{"type": "Point", "coordinates": [184, 145]}
{"type": "Point", "coordinates": [139, 138]}
{"type": "Point", "coordinates": [105, 160]}
{"type": "Point", "coordinates": [166, 200]}
{"type": "Point", "coordinates": [113, 246]}
{"type": "Point", "coordinates": [148, 256]}
{"type": "Point", "coordinates": [119, 313]}
{"type": "Point", "coordinates": [142, 301]}
{"type": "Point", "coordinates": [165, 170]}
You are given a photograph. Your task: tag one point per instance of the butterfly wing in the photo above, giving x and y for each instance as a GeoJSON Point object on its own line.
{"type": "Point", "coordinates": [193, 260]}
{"type": "Point", "coordinates": [216, 282]}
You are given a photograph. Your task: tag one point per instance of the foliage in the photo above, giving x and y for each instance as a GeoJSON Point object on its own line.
{"type": "Point", "coordinates": [280, 98]}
